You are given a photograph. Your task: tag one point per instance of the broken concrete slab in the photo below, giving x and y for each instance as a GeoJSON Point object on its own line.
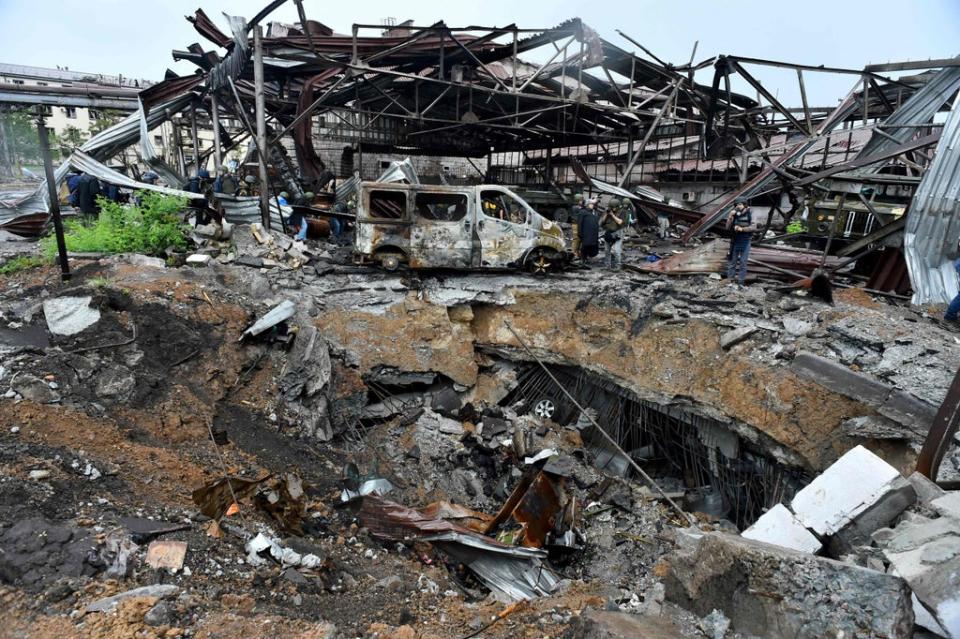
{"type": "Point", "coordinates": [780, 527]}
{"type": "Point", "coordinates": [436, 422]}
{"type": "Point", "coordinates": [70, 315]}
{"type": "Point", "coordinates": [796, 327]}
{"type": "Point", "coordinates": [34, 389]}
{"type": "Point", "coordinates": [847, 488]}
{"type": "Point", "coordinates": [926, 553]}
{"type": "Point", "coordinates": [769, 591]}
{"type": "Point", "coordinates": [606, 624]}
{"type": "Point", "coordinates": [108, 604]}
{"type": "Point", "coordinates": [839, 378]}
{"type": "Point", "coordinates": [899, 496]}
{"type": "Point", "coordinates": [948, 505]}
{"type": "Point", "coordinates": [875, 427]}
{"type": "Point", "coordinates": [731, 338]}
{"type": "Point", "coordinates": [927, 491]}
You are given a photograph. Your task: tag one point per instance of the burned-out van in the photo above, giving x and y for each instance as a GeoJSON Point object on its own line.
{"type": "Point", "coordinates": [425, 226]}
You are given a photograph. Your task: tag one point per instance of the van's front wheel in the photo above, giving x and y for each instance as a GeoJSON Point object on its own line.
{"type": "Point", "coordinates": [541, 261]}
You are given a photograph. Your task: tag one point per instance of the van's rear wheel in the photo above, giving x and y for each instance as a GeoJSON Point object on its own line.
{"type": "Point", "coordinates": [540, 261]}
{"type": "Point", "coordinates": [390, 262]}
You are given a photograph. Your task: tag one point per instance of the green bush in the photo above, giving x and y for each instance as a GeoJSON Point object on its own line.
{"type": "Point", "coordinates": [796, 226]}
{"type": "Point", "coordinates": [148, 227]}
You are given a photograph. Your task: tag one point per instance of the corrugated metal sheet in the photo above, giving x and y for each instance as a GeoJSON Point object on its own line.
{"type": "Point", "coordinates": [100, 147]}
{"type": "Point", "coordinates": [933, 224]}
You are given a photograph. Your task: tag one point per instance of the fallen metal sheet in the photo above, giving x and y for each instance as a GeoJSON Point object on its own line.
{"type": "Point", "coordinates": [400, 171]}
{"type": "Point", "coordinates": [246, 210]}
{"type": "Point", "coordinates": [602, 186]}
{"type": "Point", "coordinates": [461, 515]}
{"type": "Point", "coordinates": [142, 530]}
{"type": "Point", "coordinates": [711, 257]}
{"type": "Point", "coordinates": [279, 313]}
{"type": "Point", "coordinates": [83, 162]}
{"type": "Point", "coordinates": [100, 147]}
{"type": "Point", "coordinates": [933, 224]}
{"type": "Point", "coordinates": [513, 572]}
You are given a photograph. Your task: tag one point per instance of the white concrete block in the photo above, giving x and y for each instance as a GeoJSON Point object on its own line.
{"type": "Point", "coordinates": [198, 259]}
{"type": "Point", "coordinates": [780, 527]}
{"type": "Point", "coordinates": [948, 505]}
{"type": "Point", "coordinates": [69, 315]}
{"type": "Point", "coordinates": [844, 490]}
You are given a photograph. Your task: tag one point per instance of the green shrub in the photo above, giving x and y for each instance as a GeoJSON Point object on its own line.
{"type": "Point", "coordinates": [148, 227]}
{"type": "Point", "coordinates": [22, 263]}
{"type": "Point", "coordinates": [796, 226]}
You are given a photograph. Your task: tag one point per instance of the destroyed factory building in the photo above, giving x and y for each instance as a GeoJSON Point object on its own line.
{"type": "Point", "coordinates": [373, 385]}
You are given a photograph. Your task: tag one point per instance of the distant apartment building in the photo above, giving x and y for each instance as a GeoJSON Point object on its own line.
{"type": "Point", "coordinates": [60, 118]}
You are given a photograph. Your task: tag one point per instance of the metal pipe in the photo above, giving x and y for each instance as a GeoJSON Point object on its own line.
{"type": "Point", "coordinates": [53, 195]}
{"type": "Point", "coordinates": [261, 123]}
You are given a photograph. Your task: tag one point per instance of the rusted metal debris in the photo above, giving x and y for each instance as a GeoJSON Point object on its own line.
{"type": "Point", "coordinates": [514, 572]}
{"type": "Point", "coordinates": [215, 498]}
{"type": "Point", "coordinates": [711, 257]}
{"type": "Point", "coordinates": [539, 503]}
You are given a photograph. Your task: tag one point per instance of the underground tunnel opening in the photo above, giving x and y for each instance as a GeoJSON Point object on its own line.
{"type": "Point", "coordinates": [713, 469]}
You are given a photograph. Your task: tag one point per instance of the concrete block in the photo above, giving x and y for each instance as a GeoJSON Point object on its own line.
{"type": "Point", "coordinates": [926, 553]}
{"type": "Point", "coordinates": [926, 490]}
{"type": "Point", "coordinates": [774, 592]}
{"type": "Point", "coordinates": [847, 488]}
{"type": "Point", "coordinates": [198, 259]}
{"type": "Point", "coordinates": [778, 526]}
{"type": "Point", "coordinates": [69, 315]}
{"type": "Point", "coordinates": [880, 514]}
{"type": "Point", "coordinates": [732, 338]}
{"type": "Point", "coordinates": [838, 378]}
{"type": "Point", "coordinates": [909, 410]}
{"type": "Point", "coordinates": [948, 505]}
{"type": "Point", "coordinates": [605, 624]}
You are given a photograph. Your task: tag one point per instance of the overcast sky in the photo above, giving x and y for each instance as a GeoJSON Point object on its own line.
{"type": "Point", "coordinates": [135, 37]}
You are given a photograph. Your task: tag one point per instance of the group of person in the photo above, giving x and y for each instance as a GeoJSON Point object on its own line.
{"type": "Point", "coordinates": [589, 219]}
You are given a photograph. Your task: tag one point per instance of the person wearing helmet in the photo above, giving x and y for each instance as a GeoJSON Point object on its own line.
{"type": "Point", "coordinates": [588, 232]}
{"type": "Point", "coordinates": [614, 221]}
{"type": "Point", "coordinates": [282, 198]}
{"type": "Point", "coordinates": [740, 222]}
{"type": "Point", "coordinates": [953, 310]}
{"type": "Point", "coordinates": [150, 177]}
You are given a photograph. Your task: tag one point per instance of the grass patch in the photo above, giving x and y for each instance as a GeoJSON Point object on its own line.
{"type": "Point", "coordinates": [148, 227]}
{"type": "Point", "coordinates": [99, 282]}
{"type": "Point", "coordinates": [22, 263]}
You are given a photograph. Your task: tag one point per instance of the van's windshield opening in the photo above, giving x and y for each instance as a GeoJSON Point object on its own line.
{"type": "Point", "coordinates": [502, 206]}
{"type": "Point", "coordinates": [441, 207]}
{"type": "Point", "coordinates": [388, 204]}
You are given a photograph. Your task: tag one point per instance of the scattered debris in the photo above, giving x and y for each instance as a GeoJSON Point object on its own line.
{"type": "Point", "coordinates": [166, 555]}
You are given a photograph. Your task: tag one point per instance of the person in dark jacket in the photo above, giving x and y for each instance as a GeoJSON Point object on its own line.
{"type": "Point", "coordinates": [589, 232]}
{"type": "Point", "coordinates": [87, 192]}
{"type": "Point", "coordinates": [73, 186]}
{"type": "Point", "coordinates": [953, 310]}
{"type": "Point", "coordinates": [740, 221]}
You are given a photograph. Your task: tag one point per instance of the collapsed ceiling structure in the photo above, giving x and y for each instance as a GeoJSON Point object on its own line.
{"type": "Point", "coordinates": [469, 92]}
